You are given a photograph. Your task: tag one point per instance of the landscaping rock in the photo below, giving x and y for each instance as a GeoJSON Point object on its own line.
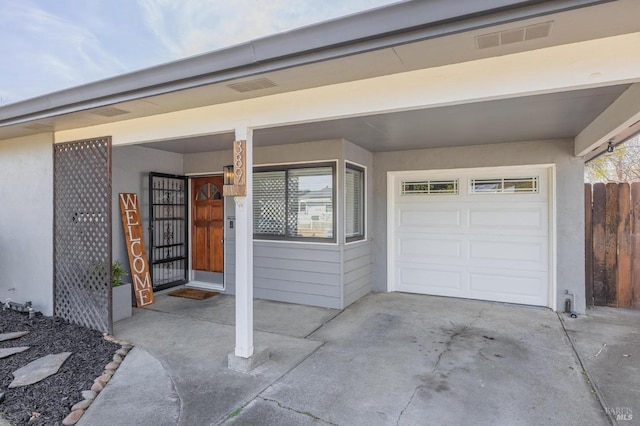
{"type": "Point", "coordinates": [117, 358]}
{"type": "Point", "coordinates": [39, 369]}
{"type": "Point", "coordinates": [112, 366]}
{"type": "Point", "coordinates": [97, 387]}
{"type": "Point", "coordinates": [11, 336]}
{"type": "Point", "coordinates": [122, 351]}
{"type": "Point", "coordinates": [89, 394]}
{"type": "Point", "coordinates": [104, 379]}
{"type": "Point", "coordinates": [7, 352]}
{"type": "Point", "coordinates": [73, 418]}
{"type": "Point", "coordinates": [82, 405]}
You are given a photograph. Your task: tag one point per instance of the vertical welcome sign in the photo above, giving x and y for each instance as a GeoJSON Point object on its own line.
{"type": "Point", "coordinates": [134, 238]}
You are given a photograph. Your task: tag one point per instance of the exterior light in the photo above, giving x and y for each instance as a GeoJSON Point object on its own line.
{"type": "Point", "coordinates": [228, 174]}
{"type": "Point", "coordinates": [610, 147]}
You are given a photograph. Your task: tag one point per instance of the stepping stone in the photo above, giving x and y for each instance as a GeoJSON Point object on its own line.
{"type": "Point", "coordinates": [39, 369]}
{"type": "Point", "coordinates": [6, 352]}
{"type": "Point", "coordinates": [11, 336]}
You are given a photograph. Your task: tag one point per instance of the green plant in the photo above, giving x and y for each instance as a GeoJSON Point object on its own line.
{"type": "Point", "coordinates": [117, 273]}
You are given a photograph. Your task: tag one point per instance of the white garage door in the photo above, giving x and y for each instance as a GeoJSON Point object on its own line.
{"type": "Point", "coordinates": [476, 233]}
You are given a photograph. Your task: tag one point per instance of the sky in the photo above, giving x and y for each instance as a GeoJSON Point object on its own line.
{"type": "Point", "coordinates": [50, 45]}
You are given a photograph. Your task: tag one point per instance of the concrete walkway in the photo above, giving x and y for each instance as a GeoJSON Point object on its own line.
{"type": "Point", "coordinates": [387, 359]}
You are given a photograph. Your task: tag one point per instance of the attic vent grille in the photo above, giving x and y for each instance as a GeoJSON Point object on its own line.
{"type": "Point", "coordinates": [38, 126]}
{"type": "Point", "coordinates": [248, 86]}
{"type": "Point", "coordinates": [109, 111]}
{"type": "Point", "coordinates": [514, 35]}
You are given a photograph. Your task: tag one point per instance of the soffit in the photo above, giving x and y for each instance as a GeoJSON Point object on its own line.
{"type": "Point", "coordinates": [540, 117]}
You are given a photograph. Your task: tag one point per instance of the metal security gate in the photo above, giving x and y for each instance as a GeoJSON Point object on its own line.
{"type": "Point", "coordinates": [82, 234]}
{"type": "Point", "coordinates": [168, 230]}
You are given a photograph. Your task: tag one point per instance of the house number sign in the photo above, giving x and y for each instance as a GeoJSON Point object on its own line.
{"type": "Point", "coordinates": [134, 238]}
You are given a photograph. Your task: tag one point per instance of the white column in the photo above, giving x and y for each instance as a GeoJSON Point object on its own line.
{"type": "Point", "coordinates": [244, 255]}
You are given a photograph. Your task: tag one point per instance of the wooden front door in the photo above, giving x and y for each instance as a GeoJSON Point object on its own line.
{"type": "Point", "coordinates": [208, 224]}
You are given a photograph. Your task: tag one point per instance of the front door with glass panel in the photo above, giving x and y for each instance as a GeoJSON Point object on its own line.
{"type": "Point", "coordinates": [208, 229]}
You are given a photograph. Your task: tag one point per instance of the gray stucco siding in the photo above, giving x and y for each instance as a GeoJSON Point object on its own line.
{"type": "Point", "coordinates": [569, 198]}
{"type": "Point", "coordinates": [131, 166]}
{"type": "Point", "coordinates": [26, 221]}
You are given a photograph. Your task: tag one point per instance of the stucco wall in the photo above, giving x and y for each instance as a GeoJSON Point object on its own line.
{"type": "Point", "coordinates": [569, 198]}
{"type": "Point", "coordinates": [130, 173]}
{"type": "Point", "coordinates": [26, 221]}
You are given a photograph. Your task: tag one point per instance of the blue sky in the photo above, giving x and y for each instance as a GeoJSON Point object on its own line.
{"type": "Point", "coordinates": [49, 45]}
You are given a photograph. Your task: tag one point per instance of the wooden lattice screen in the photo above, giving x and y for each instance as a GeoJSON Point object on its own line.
{"type": "Point", "coordinates": [612, 230]}
{"type": "Point", "coordinates": [82, 232]}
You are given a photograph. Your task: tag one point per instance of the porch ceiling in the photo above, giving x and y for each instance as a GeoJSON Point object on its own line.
{"type": "Point", "coordinates": [549, 116]}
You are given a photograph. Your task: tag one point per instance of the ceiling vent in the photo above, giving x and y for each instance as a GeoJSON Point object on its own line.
{"type": "Point", "coordinates": [251, 85]}
{"type": "Point", "coordinates": [38, 126]}
{"type": "Point", "coordinates": [514, 35]}
{"type": "Point", "coordinates": [109, 111]}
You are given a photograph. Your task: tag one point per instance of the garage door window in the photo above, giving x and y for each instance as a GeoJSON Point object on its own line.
{"type": "Point", "coordinates": [294, 202]}
{"type": "Point", "coordinates": [430, 187]}
{"type": "Point", "coordinates": [503, 185]}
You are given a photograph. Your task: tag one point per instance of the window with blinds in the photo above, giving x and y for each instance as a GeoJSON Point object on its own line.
{"type": "Point", "coordinates": [294, 202]}
{"type": "Point", "coordinates": [354, 203]}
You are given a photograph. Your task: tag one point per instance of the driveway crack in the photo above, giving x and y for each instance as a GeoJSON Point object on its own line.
{"type": "Point", "coordinates": [413, 395]}
{"type": "Point", "coordinates": [304, 413]}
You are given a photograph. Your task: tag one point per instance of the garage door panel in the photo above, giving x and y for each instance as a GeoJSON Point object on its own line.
{"type": "Point", "coordinates": [439, 281]}
{"type": "Point", "coordinates": [509, 288]}
{"type": "Point", "coordinates": [417, 247]}
{"type": "Point", "coordinates": [417, 217]}
{"type": "Point", "coordinates": [528, 254]}
{"type": "Point", "coordinates": [517, 220]}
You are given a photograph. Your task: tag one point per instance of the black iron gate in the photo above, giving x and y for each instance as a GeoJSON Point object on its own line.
{"type": "Point", "coordinates": [168, 230]}
{"type": "Point", "coordinates": [82, 232]}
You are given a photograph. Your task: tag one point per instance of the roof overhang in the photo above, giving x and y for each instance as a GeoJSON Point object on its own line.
{"type": "Point", "coordinates": [354, 54]}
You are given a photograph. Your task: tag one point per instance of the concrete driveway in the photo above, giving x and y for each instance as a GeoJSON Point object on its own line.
{"type": "Point", "coordinates": [389, 359]}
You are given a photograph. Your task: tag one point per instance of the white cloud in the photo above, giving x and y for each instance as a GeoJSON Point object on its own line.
{"type": "Point", "coordinates": [48, 46]}
{"type": "Point", "coordinates": [48, 52]}
{"type": "Point", "coordinates": [195, 26]}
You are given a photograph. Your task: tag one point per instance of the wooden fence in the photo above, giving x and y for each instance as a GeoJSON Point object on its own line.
{"type": "Point", "coordinates": [612, 246]}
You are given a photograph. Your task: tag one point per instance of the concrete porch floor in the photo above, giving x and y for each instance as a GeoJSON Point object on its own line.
{"type": "Point", "coordinates": [387, 359]}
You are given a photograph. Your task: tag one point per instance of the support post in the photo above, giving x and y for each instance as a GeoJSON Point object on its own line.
{"type": "Point", "coordinates": [245, 358]}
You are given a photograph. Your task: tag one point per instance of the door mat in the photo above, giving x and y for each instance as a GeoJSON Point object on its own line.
{"type": "Point", "coordinates": [193, 293]}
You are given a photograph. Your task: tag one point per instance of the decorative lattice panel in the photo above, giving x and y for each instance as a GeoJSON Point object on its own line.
{"type": "Point", "coordinates": [82, 237]}
{"type": "Point", "coordinates": [269, 203]}
{"type": "Point", "coordinates": [169, 231]}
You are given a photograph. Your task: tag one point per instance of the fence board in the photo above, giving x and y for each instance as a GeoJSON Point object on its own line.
{"type": "Point", "coordinates": [635, 245]}
{"type": "Point", "coordinates": [588, 244]}
{"type": "Point", "coordinates": [611, 243]}
{"type": "Point", "coordinates": [598, 235]}
{"type": "Point", "coordinates": [624, 246]}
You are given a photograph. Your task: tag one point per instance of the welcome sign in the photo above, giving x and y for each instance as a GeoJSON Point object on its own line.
{"type": "Point", "coordinates": [134, 238]}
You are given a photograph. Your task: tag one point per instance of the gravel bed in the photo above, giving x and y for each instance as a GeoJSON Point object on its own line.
{"type": "Point", "coordinates": [49, 401]}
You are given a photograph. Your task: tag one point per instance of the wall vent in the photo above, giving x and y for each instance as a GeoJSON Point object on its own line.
{"type": "Point", "coordinates": [109, 111]}
{"type": "Point", "coordinates": [251, 85]}
{"type": "Point", "coordinates": [38, 126]}
{"type": "Point", "coordinates": [514, 35]}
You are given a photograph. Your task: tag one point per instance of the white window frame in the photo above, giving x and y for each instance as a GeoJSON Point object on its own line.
{"type": "Point", "coordinates": [363, 169]}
